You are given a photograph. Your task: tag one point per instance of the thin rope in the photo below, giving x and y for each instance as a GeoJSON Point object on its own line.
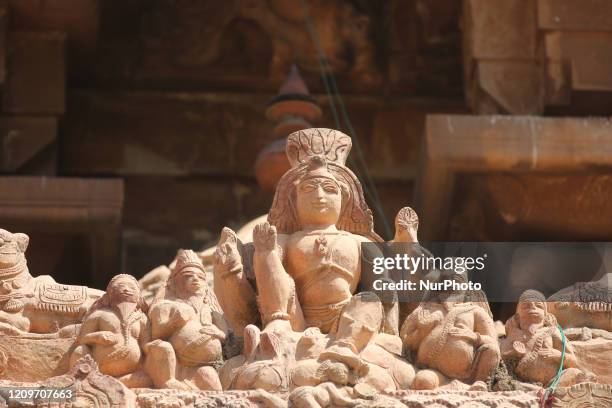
{"type": "Point", "coordinates": [331, 88]}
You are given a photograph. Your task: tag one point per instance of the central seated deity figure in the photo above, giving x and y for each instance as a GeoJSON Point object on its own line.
{"type": "Point", "coordinates": [307, 256]}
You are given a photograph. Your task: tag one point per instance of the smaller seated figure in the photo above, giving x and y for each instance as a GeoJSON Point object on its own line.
{"type": "Point", "coordinates": [114, 331]}
{"type": "Point", "coordinates": [453, 336]}
{"type": "Point", "coordinates": [187, 330]}
{"type": "Point", "coordinates": [533, 344]}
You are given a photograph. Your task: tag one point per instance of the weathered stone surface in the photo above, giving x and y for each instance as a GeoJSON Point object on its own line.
{"type": "Point", "coordinates": [501, 29]}
{"type": "Point", "coordinates": [588, 15]}
{"type": "Point", "coordinates": [24, 138]}
{"type": "Point", "coordinates": [534, 149]}
{"type": "Point", "coordinates": [87, 385]}
{"type": "Point", "coordinates": [542, 203]}
{"type": "Point", "coordinates": [589, 55]}
{"type": "Point", "coordinates": [78, 18]}
{"type": "Point", "coordinates": [583, 395]}
{"type": "Point", "coordinates": [36, 79]}
{"type": "Point", "coordinates": [521, 56]}
{"type": "Point", "coordinates": [596, 356]}
{"type": "Point", "coordinates": [524, 97]}
{"type": "Point", "coordinates": [234, 124]}
{"type": "Point", "coordinates": [424, 38]}
{"type": "Point", "coordinates": [116, 133]}
{"type": "Point", "coordinates": [33, 359]}
{"type": "Point", "coordinates": [61, 211]}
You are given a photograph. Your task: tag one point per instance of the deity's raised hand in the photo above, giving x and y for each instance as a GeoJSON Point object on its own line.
{"type": "Point", "coordinates": [264, 237]}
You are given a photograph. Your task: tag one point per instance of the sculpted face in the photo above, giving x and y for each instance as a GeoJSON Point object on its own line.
{"type": "Point", "coordinates": [125, 291]}
{"type": "Point", "coordinates": [12, 248]}
{"type": "Point", "coordinates": [319, 201]}
{"type": "Point", "coordinates": [530, 313]}
{"type": "Point", "coordinates": [191, 281]}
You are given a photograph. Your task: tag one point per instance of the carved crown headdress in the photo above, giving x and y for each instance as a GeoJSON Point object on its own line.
{"type": "Point", "coordinates": [320, 152]}
{"type": "Point", "coordinates": [187, 258]}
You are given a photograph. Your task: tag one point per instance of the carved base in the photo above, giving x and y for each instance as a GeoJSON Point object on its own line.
{"type": "Point", "coordinates": [93, 389]}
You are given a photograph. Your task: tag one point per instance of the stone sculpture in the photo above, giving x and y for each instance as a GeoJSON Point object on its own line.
{"type": "Point", "coordinates": [300, 303]}
{"type": "Point", "coordinates": [114, 331]}
{"type": "Point", "coordinates": [187, 330]}
{"type": "Point", "coordinates": [535, 343]}
{"type": "Point", "coordinates": [36, 304]}
{"type": "Point", "coordinates": [306, 258]}
{"type": "Point", "coordinates": [354, 363]}
{"type": "Point", "coordinates": [453, 336]}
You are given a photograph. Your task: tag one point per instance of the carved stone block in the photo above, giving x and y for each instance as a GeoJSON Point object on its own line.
{"type": "Point", "coordinates": [24, 140]}
{"type": "Point", "coordinates": [501, 29]}
{"type": "Point", "coordinates": [588, 15]}
{"type": "Point", "coordinates": [36, 73]}
{"type": "Point", "coordinates": [33, 359]}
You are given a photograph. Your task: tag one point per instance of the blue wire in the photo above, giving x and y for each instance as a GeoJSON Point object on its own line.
{"type": "Point", "coordinates": [555, 381]}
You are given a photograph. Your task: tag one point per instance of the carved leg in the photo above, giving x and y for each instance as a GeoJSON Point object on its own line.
{"type": "Point", "coordinates": [138, 379]}
{"type": "Point", "coordinates": [340, 397]}
{"type": "Point", "coordinates": [309, 397]}
{"type": "Point", "coordinates": [160, 364]}
{"type": "Point", "coordinates": [487, 360]}
{"type": "Point", "coordinates": [207, 379]}
{"type": "Point", "coordinates": [305, 373]}
{"type": "Point", "coordinates": [428, 380]}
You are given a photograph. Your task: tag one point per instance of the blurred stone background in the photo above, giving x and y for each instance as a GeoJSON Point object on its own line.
{"type": "Point", "coordinates": [130, 128]}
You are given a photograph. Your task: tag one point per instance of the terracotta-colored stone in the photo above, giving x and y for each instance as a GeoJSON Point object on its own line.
{"type": "Point", "coordinates": [56, 209]}
{"type": "Point", "coordinates": [585, 304]}
{"type": "Point", "coordinates": [453, 336]}
{"type": "Point", "coordinates": [312, 331]}
{"type": "Point", "coordinates": [534, 341]}
{"type": "Point", "coordinates": [187, 330]}
{"type": "Point", "coordinates": [36, 304]}
{"type": "Point", "coordinates": [526, 148]}
{"type": "Point", "coordinates": [114, 331]}
{"type": "Point", "coordinates": [501, 29]}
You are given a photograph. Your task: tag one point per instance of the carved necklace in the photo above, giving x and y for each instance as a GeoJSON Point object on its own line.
{"type": "Point", "coordinates": [126, 323]}
{"type": "Point", "coordinates": [321, 245]}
